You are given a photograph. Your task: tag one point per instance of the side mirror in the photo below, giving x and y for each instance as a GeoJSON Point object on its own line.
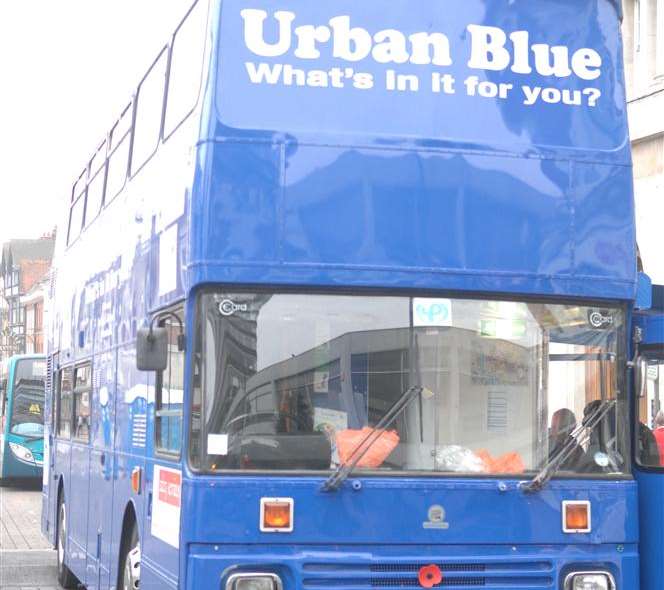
{"type": "Point", "coordinates": [152, 349]}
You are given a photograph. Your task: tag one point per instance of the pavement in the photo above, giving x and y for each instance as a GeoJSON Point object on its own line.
{"type": "Point", "coordinates": [27, 561]}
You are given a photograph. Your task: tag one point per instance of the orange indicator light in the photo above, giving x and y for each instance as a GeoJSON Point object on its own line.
{"type": "Point", "coordinates": [277, 515]}
{"type": "Point", "coordinates": [576, 517]}
{"type": "Point", "coordinates": [136, 480]}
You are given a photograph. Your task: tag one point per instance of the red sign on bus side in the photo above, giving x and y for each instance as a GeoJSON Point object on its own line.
{"type": "Point", "coordinates": [170, 485]}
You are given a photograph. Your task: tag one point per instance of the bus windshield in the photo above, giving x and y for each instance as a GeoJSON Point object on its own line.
{"type": "Point", "coordinates": [28, 406]}
{"type": "Point", "coordinates": [295, 382]}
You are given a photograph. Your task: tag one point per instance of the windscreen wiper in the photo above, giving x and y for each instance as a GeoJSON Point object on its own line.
{"type": "Point", "coordinates": [333, 483]}
{"type": "Point", "coordinates": [548, 471]}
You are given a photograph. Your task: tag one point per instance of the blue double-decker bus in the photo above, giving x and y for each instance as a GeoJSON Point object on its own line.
{"type": "Point", "coordinates": [344, 299]}
{"type": "Point", "coordinates": [22, 418]}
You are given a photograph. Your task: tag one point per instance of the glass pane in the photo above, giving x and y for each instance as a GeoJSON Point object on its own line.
{"type": "Point", "coordinates": [186, 66]}
{"type": "Point", "coordinates": [169, 410]}
{"type": "Point", "coordinates": [95, 196]}
{"type": "Point", "coordinates": [28, 408]}
{"type": "Point", "coordinates": [64, 416]}
{"type": "Point", "coordinates": [76, 218]}
{"type": "Point", "coordinates": [82, 388]}
{"type": "Point", "coordinates": [117, 169]}
{"type": "Point", "coordinates": [150, 102]}
{"type": "Point", "coordinates": [297, 381]}
{"type": "Point", "coordinates": [650, 440]}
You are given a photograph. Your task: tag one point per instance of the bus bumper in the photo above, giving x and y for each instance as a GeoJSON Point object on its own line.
{"type": "Point", "coordinates": [365, 568]}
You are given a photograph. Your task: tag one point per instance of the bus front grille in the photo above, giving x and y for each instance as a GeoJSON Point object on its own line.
{"type": "Point", "coordinates": [499, 575]}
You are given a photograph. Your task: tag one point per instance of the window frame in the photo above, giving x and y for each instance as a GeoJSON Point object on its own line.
{"type": "Point", "coordinates": [58, 408]}
{"type": "Point", "coordinates": [160, 451]}
{"type": "Point", "coordinates": [74, 408]}
{"type": "Point", "coordinates": [165, 50]}
{"type": "Point", "coordinates": [643, 352]}
{"type": "Point", "coordinates": [168, 133]}
{"type": "Point", "coordinates": [101, 169]}
{"type": "Point", "coordinates": [79, 195]}
{"type": "Point", "coordinates": [113, 148]}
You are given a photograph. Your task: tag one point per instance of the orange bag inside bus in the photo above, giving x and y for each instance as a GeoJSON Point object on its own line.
{"type": "Point", "coordinates": [349, 440]}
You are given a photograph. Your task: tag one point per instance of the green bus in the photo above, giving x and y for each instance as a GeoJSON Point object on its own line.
{"type": "Point", "coordinates": [22, 417]}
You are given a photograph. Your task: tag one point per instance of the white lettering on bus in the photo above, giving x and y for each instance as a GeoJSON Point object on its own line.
{"type": "Point", "coordinates": [348, 43]}
{"type": "Point", "coordinates": [491, 48]}
{"type": "Point", "coordinates": [489, 52]}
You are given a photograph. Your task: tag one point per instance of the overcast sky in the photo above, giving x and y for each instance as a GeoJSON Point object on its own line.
{"type": "Point", "coordinates": [67, 67]}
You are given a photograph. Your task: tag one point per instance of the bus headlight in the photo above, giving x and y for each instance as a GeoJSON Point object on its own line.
{"type": "Point", "coordinates": [254, 582]}
{"type": "Point", "coordinates": [22, 453]}
{"type": "Point", "coordinates": [590, 581]}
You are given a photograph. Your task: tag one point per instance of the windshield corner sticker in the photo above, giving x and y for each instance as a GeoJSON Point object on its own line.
{"type": "Point", "coordinates": [436, 518]}
{"type": "Point", "coordinates": [227, 307]}
{"type": "Point", "coordinates": [166, 494]}
{"type": "Point", "coordinates": [600, 319]}
{"type": "Point", "coordinates": [432, 312]}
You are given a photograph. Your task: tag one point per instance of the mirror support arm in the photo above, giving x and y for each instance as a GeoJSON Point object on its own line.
{"type": "Point", "coordinates": [162, 316]}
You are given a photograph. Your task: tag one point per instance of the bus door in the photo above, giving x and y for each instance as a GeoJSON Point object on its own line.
{"type": "Point", "coordinates": [77, 502]}
{"type": "Point", "coordinates": [100, 518]}
{"type": "Point", "coordinates": [650, 461]}
{"type": "Point", "coordinates": [161, 538]}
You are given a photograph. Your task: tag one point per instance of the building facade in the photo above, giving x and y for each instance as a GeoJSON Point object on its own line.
{"type": "Point", "coordinates": [24, 271]}
{"type": "Point", "coordinates": [643, 30]}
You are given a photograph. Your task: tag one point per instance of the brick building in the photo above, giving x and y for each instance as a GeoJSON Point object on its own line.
{"type": "Point", "coordinates": [24, 270]}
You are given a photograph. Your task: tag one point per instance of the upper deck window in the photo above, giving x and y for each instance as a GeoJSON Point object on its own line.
{"type": "Point", "coordinates": [118, 159]}
{"type": "Point", "coordinates": [292, 381]}
{"type": "Point", "coordinates": [186, 66]}
{"type": "Point", "coordinates": [149, 110]}
{"type": "Point", "coordinates": [97, 179]}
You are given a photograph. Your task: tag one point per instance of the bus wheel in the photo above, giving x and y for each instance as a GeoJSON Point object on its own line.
{"type": "Point", "coordinates": [65, 577]}
{"type": "Point", "coordinates": [131, 576]}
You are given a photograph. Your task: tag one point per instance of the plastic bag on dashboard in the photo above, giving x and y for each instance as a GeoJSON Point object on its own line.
{"type": "Point", "coordinates": [349, 440]}
{"type": "Point", "coordinates": [458, 459]}
{"type": "Point", "coordinates": [509, 463]}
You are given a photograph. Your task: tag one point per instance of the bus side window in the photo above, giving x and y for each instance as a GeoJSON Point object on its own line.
{"type": "Point", "coordinates": [82, 390]}
{"type": "Point", "coordinates": [169, 394]}
{"type": "Point", "coordinates": [149, 110]}
{"type": "Point", "coordinates": [186, 67]}
{"type": "Point", "coordinates": [64, 403]}
{"type": "Point", "coordinates": [118, 158]}
{"type": "Point", "coordinates": [97, 179]}
{"type": "Point", "coordinates": [76, 218]}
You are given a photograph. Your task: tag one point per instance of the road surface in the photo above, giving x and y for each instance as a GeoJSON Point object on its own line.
{"type": "Point", "coordinates": [27, 561]}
